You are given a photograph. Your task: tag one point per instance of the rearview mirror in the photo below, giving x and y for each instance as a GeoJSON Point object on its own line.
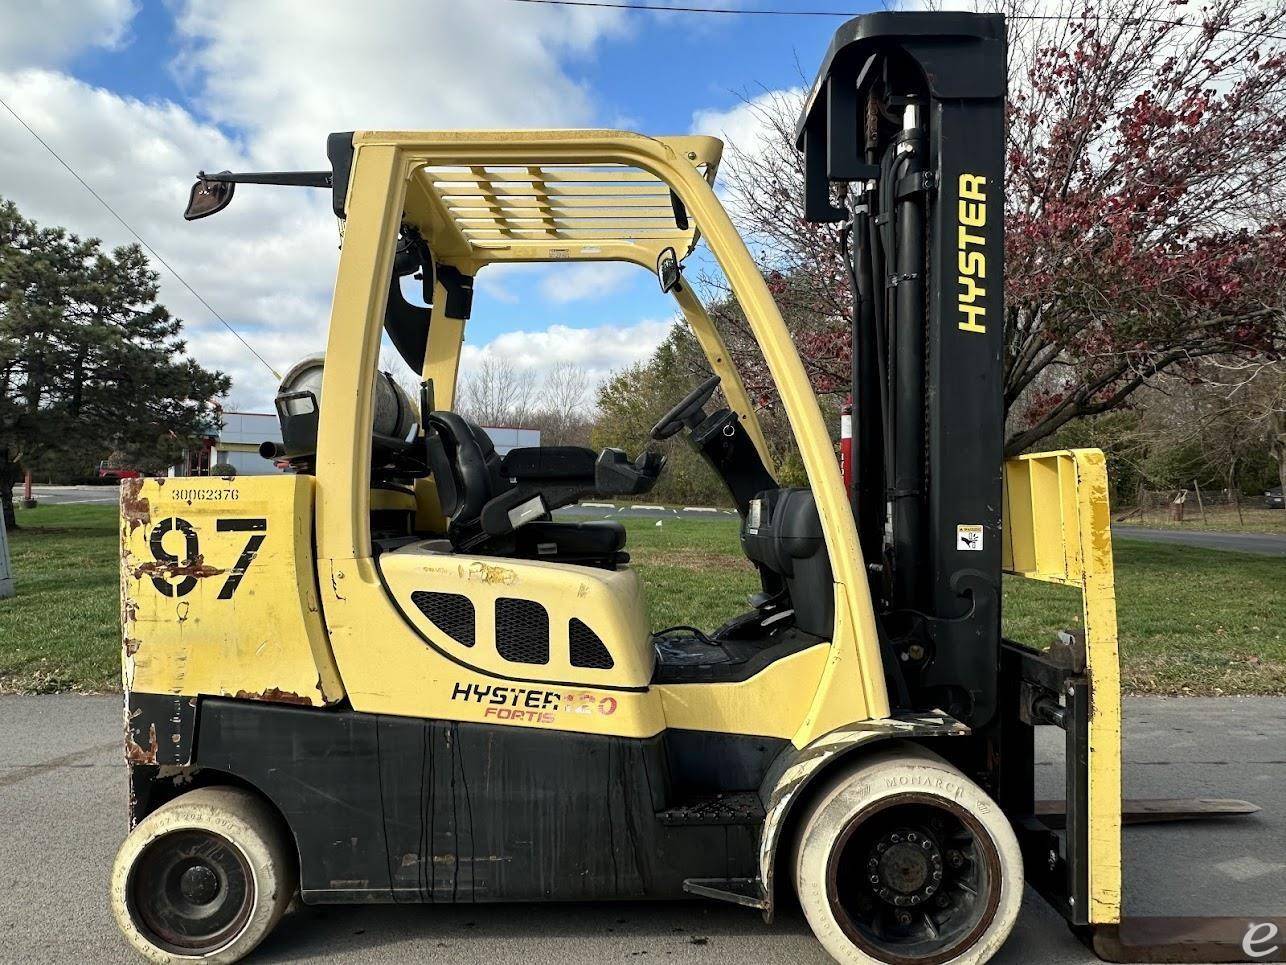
{"type": "Point", "coordinates": [208, 197]}
{"type": "Point", "coordinates": [668, 270]}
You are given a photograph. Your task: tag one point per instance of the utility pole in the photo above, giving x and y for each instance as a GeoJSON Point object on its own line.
{"type": "Point", "coordinates": [6, 570]}
{"type": "Point", "coordinates": [6, 566]}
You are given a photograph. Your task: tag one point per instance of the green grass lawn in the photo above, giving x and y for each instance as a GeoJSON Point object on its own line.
{"type": "Point", "coordinates": [1191, 621]}
{"type": "Point", "coordinates": [62, 630]}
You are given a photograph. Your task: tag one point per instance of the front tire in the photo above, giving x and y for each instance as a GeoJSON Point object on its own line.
{"type": "Point", "coordinates": [905, 861]}
{"type": "Point", "coordinates": [205, 877]}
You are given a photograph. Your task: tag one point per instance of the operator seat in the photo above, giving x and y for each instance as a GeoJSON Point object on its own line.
{"type": "Point", "coordinates": [500, 505]}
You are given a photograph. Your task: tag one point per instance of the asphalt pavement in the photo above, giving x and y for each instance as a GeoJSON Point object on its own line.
{"type": "Point", "coordinates": [57, 495]}
{"type": "Point", "coordinates": [1264, 544]}
{"type": "Point", "coordinates": [62, 807]}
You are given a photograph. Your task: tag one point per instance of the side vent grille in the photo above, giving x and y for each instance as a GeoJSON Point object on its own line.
{"type": "Point", "coordinates": [450, 612]}
{"type": "Point", "coordinates": [522, 631]}
{"type": "Point", "coordinates": [587, 649]}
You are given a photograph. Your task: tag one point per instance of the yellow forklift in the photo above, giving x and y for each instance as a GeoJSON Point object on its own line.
{"type": "Point", "coordinates": [393, 675]}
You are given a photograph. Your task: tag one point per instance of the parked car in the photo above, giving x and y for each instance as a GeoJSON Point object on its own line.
{"type": "Point", "coordinates": [110, 474]}
{"type": "Point", "coordinates": [1273, 499]}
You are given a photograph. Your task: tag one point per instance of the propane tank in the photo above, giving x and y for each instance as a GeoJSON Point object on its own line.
{"type": "Point", "coordinates": [396, 415]}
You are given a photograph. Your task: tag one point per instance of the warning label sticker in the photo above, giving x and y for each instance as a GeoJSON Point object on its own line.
{"type": "Point", "coordinates": [968, 537]}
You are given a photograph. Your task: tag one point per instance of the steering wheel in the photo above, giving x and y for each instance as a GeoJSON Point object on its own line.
{"type": "Point", "coordinates": [685, 413]}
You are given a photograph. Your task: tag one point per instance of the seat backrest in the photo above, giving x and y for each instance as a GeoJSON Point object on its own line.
{"type": "Point", "coordinates": [466, 466]}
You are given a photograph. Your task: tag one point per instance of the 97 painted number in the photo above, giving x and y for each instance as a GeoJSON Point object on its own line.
{"type": "Point", "coordinates": [191, 560]}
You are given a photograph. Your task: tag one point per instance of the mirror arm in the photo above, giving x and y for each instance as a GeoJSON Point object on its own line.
{"type": "Point", "coordinates": [299, 179]}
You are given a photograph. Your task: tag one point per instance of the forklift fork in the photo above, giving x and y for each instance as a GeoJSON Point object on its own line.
{"type": "Point", "coordinates": [1057, 531]}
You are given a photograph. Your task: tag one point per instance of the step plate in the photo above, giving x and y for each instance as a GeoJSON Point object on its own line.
{"type": "Point", "coordinates": [742, 807]}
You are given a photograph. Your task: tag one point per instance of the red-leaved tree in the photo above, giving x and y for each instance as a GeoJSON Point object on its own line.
{"type": "Point", "coordinates": [1142, 158]}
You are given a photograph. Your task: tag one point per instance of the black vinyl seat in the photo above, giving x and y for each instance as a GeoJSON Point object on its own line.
{"type": "Point", "coordinates": [500, 505]}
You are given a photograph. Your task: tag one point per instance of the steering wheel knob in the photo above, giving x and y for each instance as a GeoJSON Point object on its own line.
{"type": "Point", "coordinates": [686, 411]}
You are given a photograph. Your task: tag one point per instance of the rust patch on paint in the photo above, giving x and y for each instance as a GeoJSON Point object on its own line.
{"type": "Point", "coordinates": [135, 754]}
{"type": "Point", "coordinates": [486, 573]}
{"type": "Point", "coordinates": [135, 509]}
{"type": "Point", "coordinates": [195, 568]}
{"type": "Point", "coordinates": [131, 646]}
{"type": "Point", "coordinates": [274, 695]}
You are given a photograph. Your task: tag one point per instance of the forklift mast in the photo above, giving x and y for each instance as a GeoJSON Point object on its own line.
{"type": "Point", "coordinates": [903, 136]}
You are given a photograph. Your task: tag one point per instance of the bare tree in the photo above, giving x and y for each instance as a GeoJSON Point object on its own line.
{"type": "Point", "coordinates": [1212, 422]}
{"type": "Point", "coordinates": [563, 414]}
{"type": "Point", "coordinates": [495, 393]}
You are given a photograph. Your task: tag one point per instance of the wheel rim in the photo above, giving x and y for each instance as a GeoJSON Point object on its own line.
{"type": "Point", "coordinates": [191, 892]}
{"type": "Point", "coordinates": [914, 880]}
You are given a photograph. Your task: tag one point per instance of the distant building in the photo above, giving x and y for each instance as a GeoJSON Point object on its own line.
{"type": "Point", "coordinates": [505, 438]}
{"type": "Point", "coordinates": [237, 444]}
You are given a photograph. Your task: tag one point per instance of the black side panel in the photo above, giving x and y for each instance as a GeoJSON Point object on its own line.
{"type": "Point", "coordinates": [159, 729]}
{"type": "Point", "coordinates": [321, 769]}
{"type": "Point", "coordinates": [399, 809]}
{"type": "Point", "coordinates": [494, 813]}
{"type": "Point", "coordinates": [704, 762]}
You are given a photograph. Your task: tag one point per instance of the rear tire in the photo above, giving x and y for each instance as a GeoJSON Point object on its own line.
{"type": "Point", "coordinates": [205, 877]}
{"type": "Point", "coordinates": [905, 861]}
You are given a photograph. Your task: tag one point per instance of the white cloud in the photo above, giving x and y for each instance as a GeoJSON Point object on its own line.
{"type": "Point", "coordinates": [288, 76]}
{"type": "Point", "coordinates": [598, 351]}
{"type": "Point", "coordinates": [587, 280]}
{"type": "Point", "coordinates": [282, 78]}
{"type": "Point", "coordinates": [44, 34]}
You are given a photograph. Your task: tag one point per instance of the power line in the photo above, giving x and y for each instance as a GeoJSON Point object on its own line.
{"type": "Point", "coordinates": [668, 9]}
{"type": "Point", "coordinates": [768, 12]}
{"type": "Point", "coordinates": [139, 238]}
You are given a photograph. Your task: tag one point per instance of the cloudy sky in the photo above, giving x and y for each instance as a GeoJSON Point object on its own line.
{"type": "Point", "coordinates": [137, 96]}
